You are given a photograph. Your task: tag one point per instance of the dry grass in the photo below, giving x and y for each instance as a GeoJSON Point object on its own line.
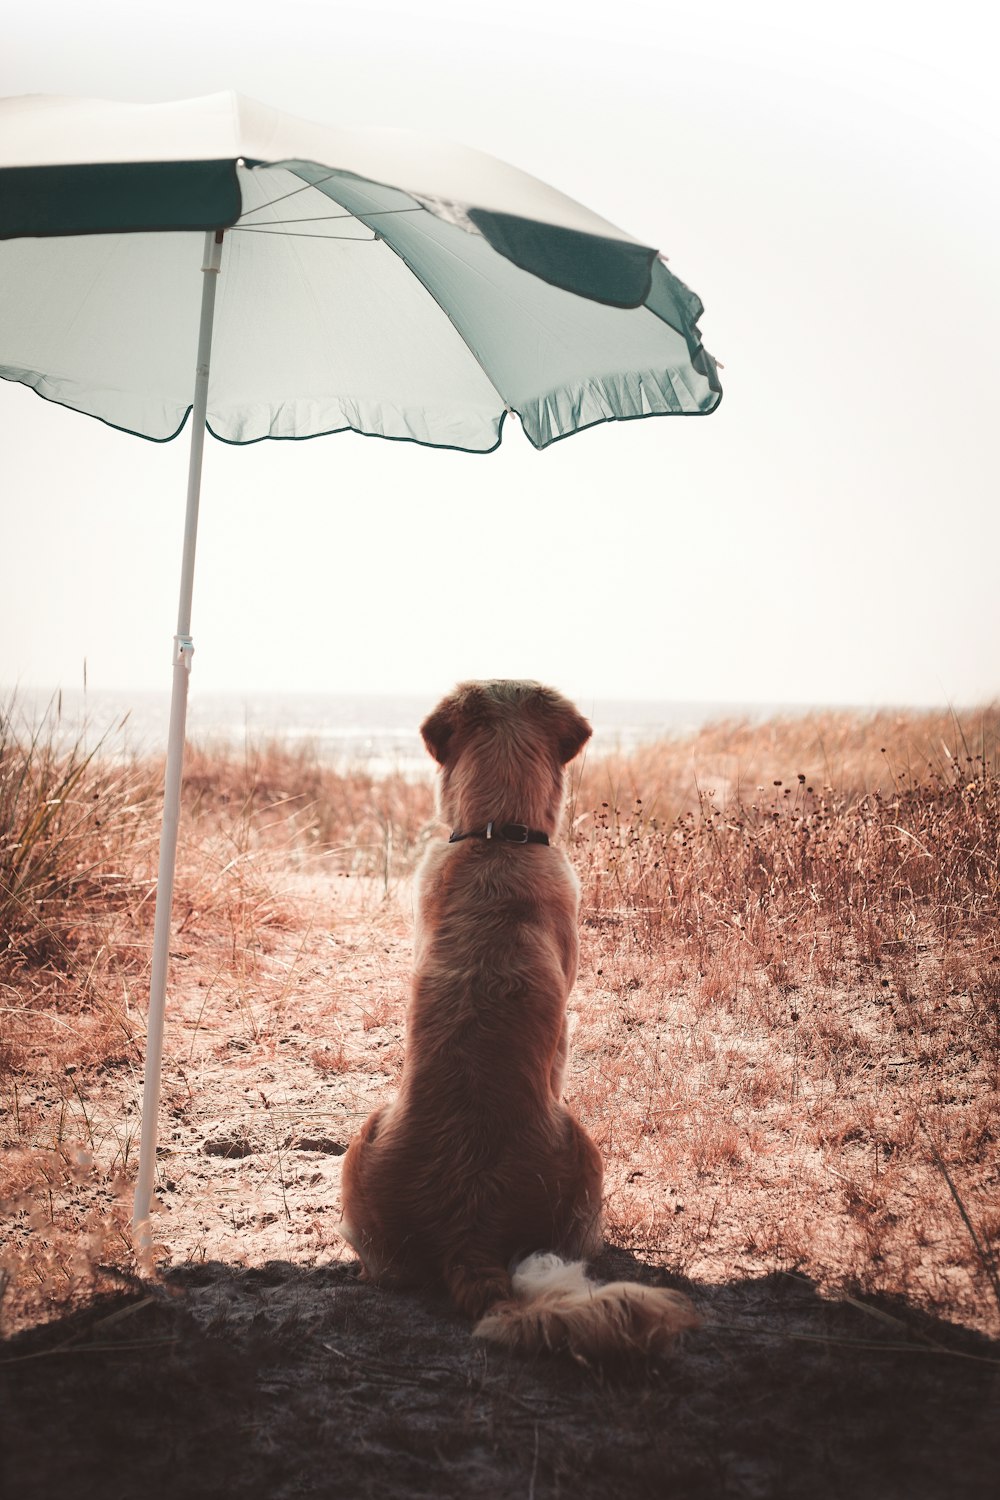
{"type": "Point", "coordinates": [789, 1003]}
{"type": "Point", "coordinates": [791, 1014]}
{"type": "Point", "coordinates": [790, 878]}
{"type": "Point", "coordinates": [77, 850]}
{"type": "Point", "coordinates": [348, 822]}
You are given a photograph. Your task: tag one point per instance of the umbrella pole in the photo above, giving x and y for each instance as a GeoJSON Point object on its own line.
{"type": "Point", "coordinates": [183, 652]}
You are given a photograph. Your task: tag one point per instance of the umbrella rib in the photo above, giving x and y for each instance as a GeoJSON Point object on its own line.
{"type": "Point", "coordinates": [283, 196]}
{"type": "Point", "coordinates": [291, 234]}
{"type": "Point", "coordinates": [417, 208]}
{"type": "Point", "coordinates": [325, 218]}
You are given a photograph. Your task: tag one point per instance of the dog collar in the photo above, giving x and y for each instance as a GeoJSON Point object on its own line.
{"type": "Point", "coordinates": [507, 833]}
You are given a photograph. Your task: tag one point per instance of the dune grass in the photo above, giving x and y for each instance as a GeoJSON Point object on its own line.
{"type": "Point", "coordinates": [792, 955]}
{"type": "Point", "coordinates": [788, 1045]}
{"type": "Point", "coordinates": [799, 844]}
{"type": "Point", "coordinates": [77, 851]}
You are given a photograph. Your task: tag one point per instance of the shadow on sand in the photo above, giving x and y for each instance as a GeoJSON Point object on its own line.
{"type": "Point", "coordinates": [283, 1381]}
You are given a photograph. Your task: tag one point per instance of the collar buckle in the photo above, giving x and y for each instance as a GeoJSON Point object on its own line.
{"type": "Point", "coordinates": [504, 833]}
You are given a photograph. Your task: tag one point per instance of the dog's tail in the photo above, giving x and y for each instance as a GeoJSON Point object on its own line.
{"type": "Point", "coordinates": [557, 1307]}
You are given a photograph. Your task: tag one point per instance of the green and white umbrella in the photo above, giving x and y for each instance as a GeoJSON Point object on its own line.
{"type": "Point", "coordinates": [373, 280]}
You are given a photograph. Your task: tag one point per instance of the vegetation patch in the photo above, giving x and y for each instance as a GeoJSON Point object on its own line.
{"type": "Point", "coordinates": [786, 1044]}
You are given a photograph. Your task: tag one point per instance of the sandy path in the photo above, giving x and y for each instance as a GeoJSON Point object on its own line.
{"type": "Point", "coordinates": [268, 1073]}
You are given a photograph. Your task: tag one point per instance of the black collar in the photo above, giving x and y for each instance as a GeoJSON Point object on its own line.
{"type": "Point", "coordinates": [507, 833]}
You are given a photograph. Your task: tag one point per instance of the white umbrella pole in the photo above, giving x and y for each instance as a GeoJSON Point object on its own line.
{"type": "Point", "coordinates": [183, 652]}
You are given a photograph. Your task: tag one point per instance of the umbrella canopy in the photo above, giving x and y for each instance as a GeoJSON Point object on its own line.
{"type": "Point", "coordinates": [372, 280]}
{"type": "Point", "coordinates": [368, 280]}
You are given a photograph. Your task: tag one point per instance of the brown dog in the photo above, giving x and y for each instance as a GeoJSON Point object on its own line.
{"type": "Point", "coordinates": [478, 1162]}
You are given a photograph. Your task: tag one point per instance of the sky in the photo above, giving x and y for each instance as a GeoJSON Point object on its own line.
{"type": "Point", "coordinates": [827, 181]}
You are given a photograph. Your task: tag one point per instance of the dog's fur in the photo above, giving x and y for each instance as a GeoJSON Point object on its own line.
{"type": "Point", "coordinates": [477, 1162]}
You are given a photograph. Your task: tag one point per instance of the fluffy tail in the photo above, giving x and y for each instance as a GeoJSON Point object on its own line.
{"type": "Point", "coordinates": [557, 1307]}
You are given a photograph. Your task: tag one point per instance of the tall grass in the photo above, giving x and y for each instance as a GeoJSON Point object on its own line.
{"type": "Point", "coordinates": [350, 821]}
{"type": "Point", "coordinates": [871, 834]}
{"type": "Point", "coordinates": [789, 997]}
{"type": "Point", "coordinates": [789, 1046]}
{"type": "Point", "coordinates": [790, 847]}
{"type": "Point", "coordinates": [77, 844]}
{"type": "Point", "coordinates": [79, 834]}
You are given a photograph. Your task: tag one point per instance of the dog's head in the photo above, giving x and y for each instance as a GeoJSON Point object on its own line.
{"type": "Point", "coordinates": [502, 747]}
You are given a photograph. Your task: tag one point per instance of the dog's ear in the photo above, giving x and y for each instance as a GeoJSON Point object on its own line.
{"type": "Point", "coordinates": [573, 732]}
{"type": "Point", "coordinates": [437, 730]}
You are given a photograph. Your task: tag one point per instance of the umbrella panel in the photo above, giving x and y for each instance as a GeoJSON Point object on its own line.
{"type": "Point", "coordinates": [343, 304]}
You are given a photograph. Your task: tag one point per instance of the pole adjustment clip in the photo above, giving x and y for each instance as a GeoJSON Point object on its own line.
{"type": "Point", "coordinates": [183, 651]}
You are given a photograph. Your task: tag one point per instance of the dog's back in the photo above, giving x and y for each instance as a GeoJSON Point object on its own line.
{"type": "Point", "coordinates": [477, 1159]}
{"type": "Point", "coordinates": [478, 1162]}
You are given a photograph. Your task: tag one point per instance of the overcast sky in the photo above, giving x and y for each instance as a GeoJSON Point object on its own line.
{"type": "Point", "coordinates": [826, 178]}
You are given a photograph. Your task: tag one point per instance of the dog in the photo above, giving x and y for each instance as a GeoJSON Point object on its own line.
{"type": "Point", "coordinates": [478, 1166]}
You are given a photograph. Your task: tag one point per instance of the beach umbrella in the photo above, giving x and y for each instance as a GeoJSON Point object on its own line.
{"type": "Point", "coordinates": [374, 280]}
